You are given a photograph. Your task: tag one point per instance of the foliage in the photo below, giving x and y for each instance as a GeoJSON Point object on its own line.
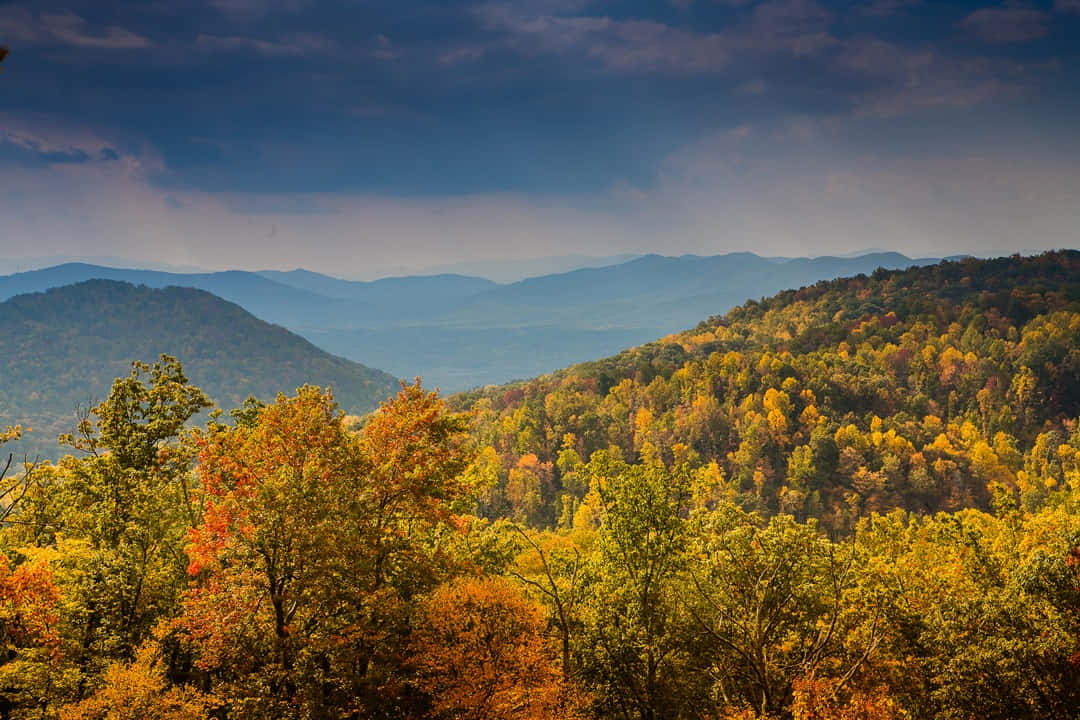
{"type": "Point", "coordinates": [634, 648]}
{"type": "Point", "coordinates": [706, 542]}
{"type": "Point", "coordinates": [139, 690]}
{"type": "Point", "coordinates": [313, 544]}
{"type": "Point", "coordinates": [482, 652]}
{"type": "Point", "coordinates": [933, 388]}
{"type": "Point", "coordinates": [29, 638]}
{"type": "Point", "coordinates": [778, 603]}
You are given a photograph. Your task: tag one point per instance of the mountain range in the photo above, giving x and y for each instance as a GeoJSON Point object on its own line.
{"type": "Point", "coordinates": [459, 331]}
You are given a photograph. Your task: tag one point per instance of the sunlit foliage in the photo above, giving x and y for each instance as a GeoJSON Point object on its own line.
{"type": "Point", "coordinates": [856, 501]}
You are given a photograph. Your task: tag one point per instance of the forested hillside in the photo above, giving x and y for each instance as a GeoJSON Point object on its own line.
{"type": "Point", "coordinates": [717, 530]}
{"type": "Point", "coordinates": [927, 389]}
{"type": "Point", "coordinates": [60, 350]}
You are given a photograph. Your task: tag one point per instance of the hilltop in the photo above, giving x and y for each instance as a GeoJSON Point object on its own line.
{"type": "Point", "coordinates": [63, 348]}
{"type": "Point", "coordinates": [931, 388]}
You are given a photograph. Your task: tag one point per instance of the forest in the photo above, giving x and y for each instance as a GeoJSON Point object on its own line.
{"type": "Point", "coordinates": [860, 499]}
{"type": "Point", "coordinates": [62, 348]}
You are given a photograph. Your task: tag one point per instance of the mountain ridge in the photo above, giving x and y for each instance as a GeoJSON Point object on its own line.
{"type": "Point", "coordinates": [458, 331]}
{"type": "Point", "coordinates": [67, 344]}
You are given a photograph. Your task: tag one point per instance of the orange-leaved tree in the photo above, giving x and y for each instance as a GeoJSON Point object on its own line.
{"type": "Point", "coordinates": [29, 640]}
{"type": "Point", "coordinates": [482, 652]}
{"type": "Point", "coordinates": [139, 690]}
{"type": "Point", "coordinates": [313, 542]}
{"type": "Point", "coordinates": [827, 699]}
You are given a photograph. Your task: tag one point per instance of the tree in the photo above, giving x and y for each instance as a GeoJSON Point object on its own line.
{"type": "Point", "coordinates": [556, 575]}
{"type": "Point", "coordinates": [826, 699]}
{"type": "Point", "coordinates": [772, 601]}
{"type": "Point", "coordinates": [634, 649]}
{"type": "Point", "coordinates": [312, 546]}
{"type": "Point", "coordinates": [481, 652]}
{"type": "Point", "coordinates": [29, 638]}
{"type": "Point", "coordinates": [139, 690]}
{"type": "Point", "coordinates": [13, 489]}
{"type": "Point", "coordinates": [127, 502]}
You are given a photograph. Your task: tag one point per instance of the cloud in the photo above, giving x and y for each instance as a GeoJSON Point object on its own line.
{"type": "Point", "coordinates": [771, 191]}
{"type": "Point", "coordinates": [298, 44]}
{"type": "Point", "coordinates": [795, 27]}
{"type": "Point", "coordinates": [619, 45]}
{"type": "Point", "coordinates": [52, 142]}
{"type": "Point", "coordinates": [882, 8]}
{"type": "Point", "coordinates": [463, 54]}
{"type": "Point", "coordinates": [71, 29]}
{"type": "Point", "coordinates": [686, 4]}
{"type": "Point", "coordinates": [798, 28]}
{"type": "Point", "coordinates": [384, 49]}
{"type": "Point", "coordinates": [256, 8]}
{"type": "Point", "coordinates": [934, 92]}
{"type": "Point", "coordinates": [872, 57]}
{"type": "Point", "coordinates": [751, 87]}
{"type": "Point", "coordinates": [762, 188]}
{"type": "Point", "coordinates": [1005, 25]}
{"type": "Point", "coordinates": [114, 212]}
{"type": "Point", "coordinates": [306, 44]}
{"type": "Point", "coordinates": [909, 80]}
{"type": "Point", "coordinates": [18, 26]}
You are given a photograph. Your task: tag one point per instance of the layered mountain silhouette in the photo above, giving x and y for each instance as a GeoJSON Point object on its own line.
{"type": "Point", "coordinates": [458, 331]}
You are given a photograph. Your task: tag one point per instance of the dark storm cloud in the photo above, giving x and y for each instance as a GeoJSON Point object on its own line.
{"type": "Point", "coordinates": [1007, 24]}
{"type": "Point", "coordinates": [560, 104]}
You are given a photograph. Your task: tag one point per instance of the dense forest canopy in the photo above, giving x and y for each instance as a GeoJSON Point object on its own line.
{"type": "Point", "coordinates": [932, 388]}
{"type": "Point", "coordinates": [856, 500]}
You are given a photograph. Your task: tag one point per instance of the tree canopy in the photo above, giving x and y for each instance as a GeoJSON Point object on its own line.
{"type": "Point", "coordinates": [859, 500]}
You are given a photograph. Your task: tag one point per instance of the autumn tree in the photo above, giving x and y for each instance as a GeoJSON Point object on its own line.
{"type": "Point", "coordinates": [314, 542]}
{"type": "Point", "coordinates": [29, 631]}
{"type": "Point", "coordinates": [552, 567]}
{"type": "Point", "coordinates": [774, 600]}
{"type": "Point", "coordinates": [119, 513]}
{"type": "Point", "coordinates": [139, 690]}
{"type": "Point", "coordinates": [826, 699]}
{"type": "Point", "coordinates": [14, 485]}
{"type": "Point", "coordinates": [481, 652]}
{"type": "Point", "coordinates": [634, 650]}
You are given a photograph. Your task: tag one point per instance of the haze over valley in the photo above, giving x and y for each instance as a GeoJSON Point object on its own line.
{"type": "Point", "coordinates": [458, 332]}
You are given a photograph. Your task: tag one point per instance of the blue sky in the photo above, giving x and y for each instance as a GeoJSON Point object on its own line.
{"type": "Point", "coordinates": [362, 137]}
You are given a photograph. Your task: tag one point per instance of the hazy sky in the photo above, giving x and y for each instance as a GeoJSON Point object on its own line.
{"type": "Point", "coordinates": [352, 136]}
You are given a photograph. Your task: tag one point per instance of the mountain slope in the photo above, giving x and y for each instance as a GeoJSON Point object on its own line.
{"type": "Point", "coordinates": [536, 325]}
{"type": "Point", "coordinates": [458, 332]}
{"type": "Point", "coordinates": [659, 291]}
{"type": "Point", "coordinates": [932, 388]}
{"type": "Point", "coordinates": [506, 271]}
{"type": "Point", "coordinates": [65, 346]}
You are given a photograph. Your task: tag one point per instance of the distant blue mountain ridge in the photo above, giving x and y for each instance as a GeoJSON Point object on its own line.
{"type": "Point", "coordinates": [459, 331]}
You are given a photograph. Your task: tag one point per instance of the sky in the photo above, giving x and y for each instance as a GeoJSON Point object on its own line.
{"type": "Point", "coordinates": [363, 137]}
